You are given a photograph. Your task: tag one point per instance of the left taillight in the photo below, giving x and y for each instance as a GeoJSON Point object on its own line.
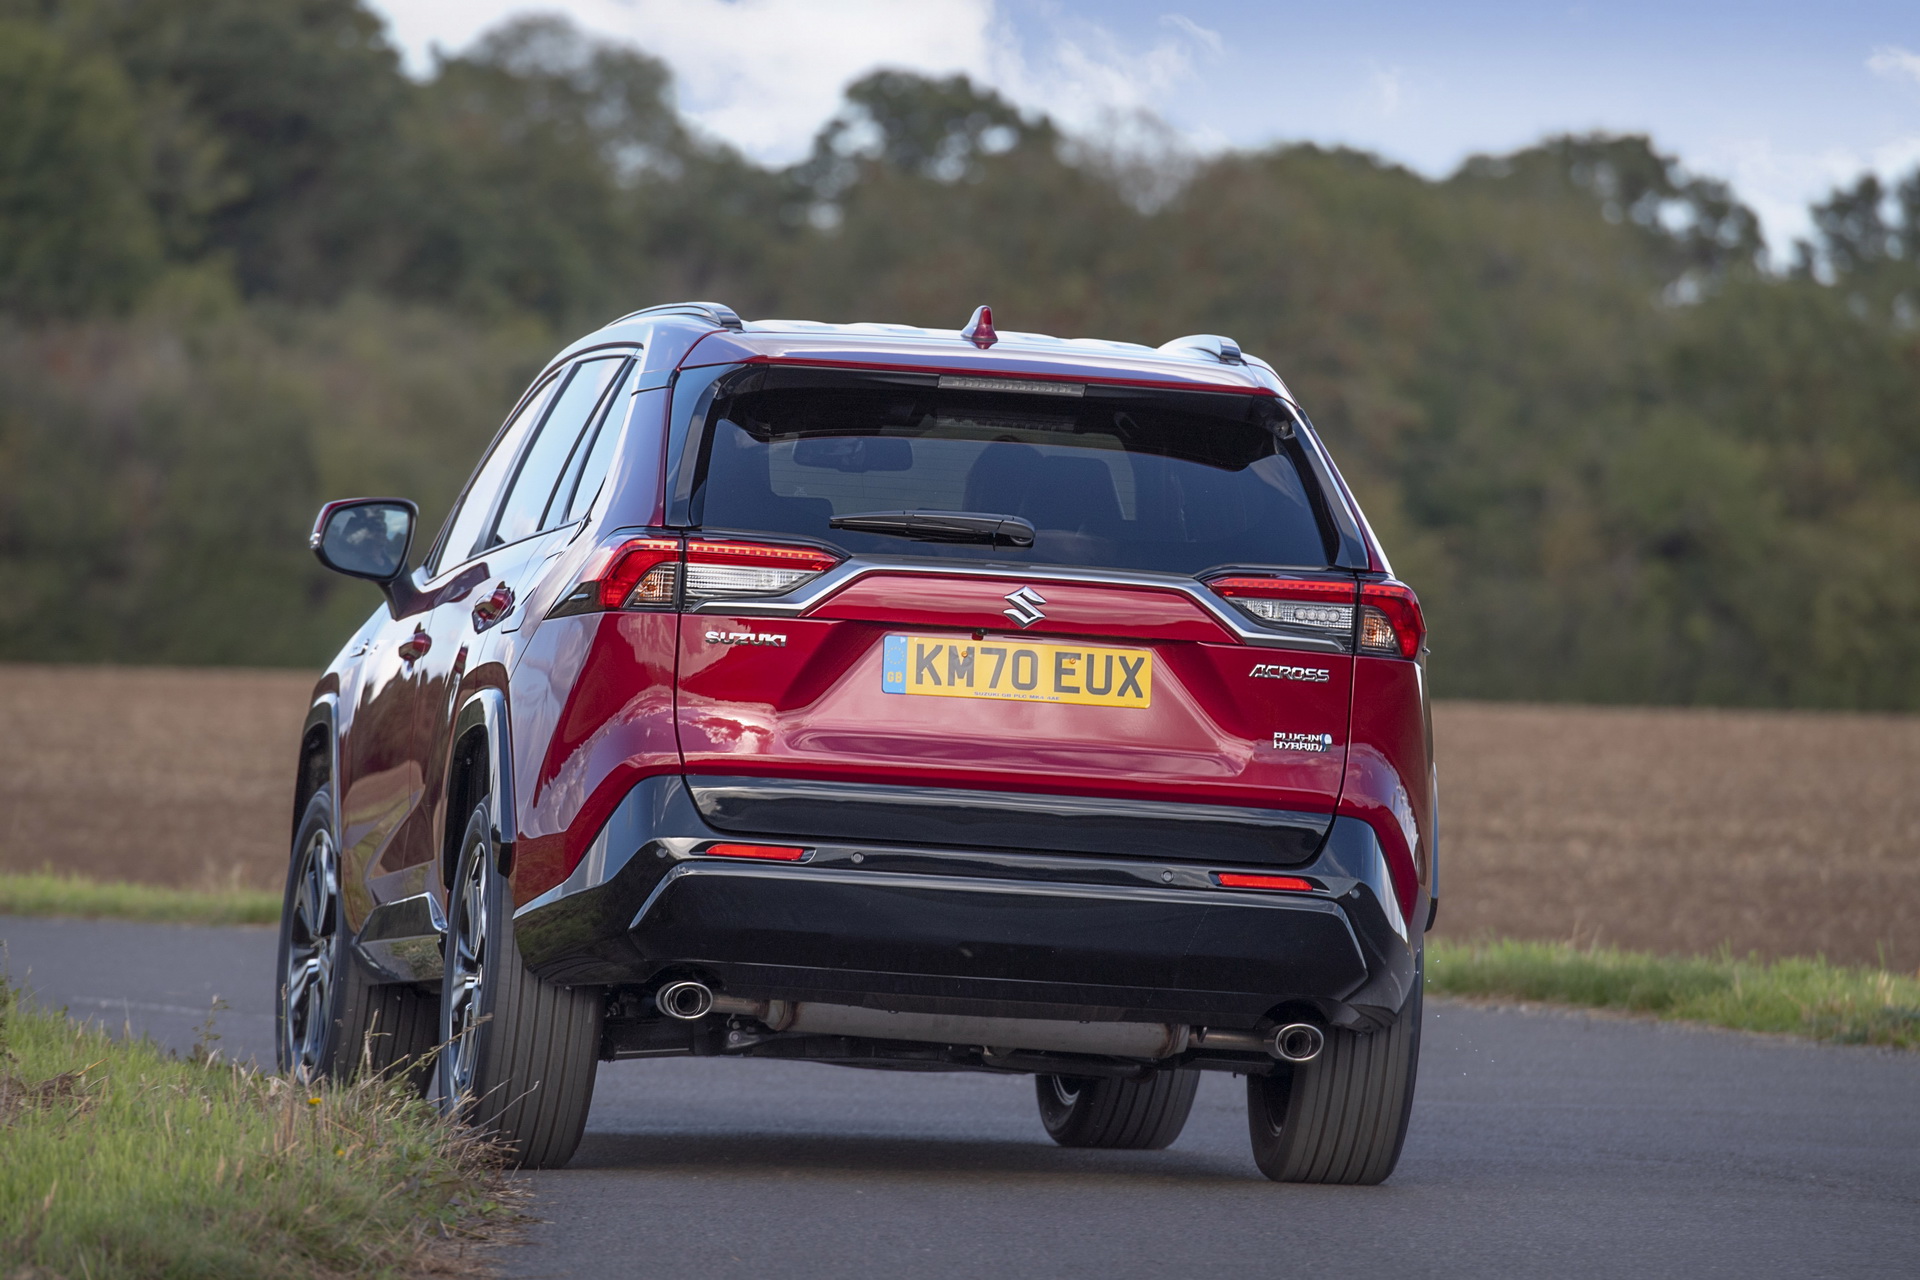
{"type": "Point", "coordinates": [669, 573]}
{"type": "Point", "coordinates": [738, 570]}
{"type": "Point", "coordinates": [640, 573]}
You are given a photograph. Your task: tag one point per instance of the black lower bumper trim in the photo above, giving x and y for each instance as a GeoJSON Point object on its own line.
{"type": "Point", "coordinates": [985, 932]}
{"type": "Point", "coordinates": [842, 811]}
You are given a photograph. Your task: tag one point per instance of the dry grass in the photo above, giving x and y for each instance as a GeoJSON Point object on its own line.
{"type": "Point", "coordinates": [154, 775]}
{"type": "Point", "coordinates": [1683, 831]}
{"type": "Point", "coordinates": [1671, 831]}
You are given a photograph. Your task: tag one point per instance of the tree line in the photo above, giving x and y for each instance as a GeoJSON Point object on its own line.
{"type": "Point", "coordinates": [246, 264]}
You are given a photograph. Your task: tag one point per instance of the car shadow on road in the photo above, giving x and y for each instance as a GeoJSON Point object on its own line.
{"type": "Point", "coordinates": [774, 1153]}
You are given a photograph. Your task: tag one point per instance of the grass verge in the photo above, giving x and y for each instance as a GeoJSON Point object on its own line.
{"type": "Point", "coordinates": [122, 1160]}
{"type": "Point", "coordinates": [1802, 997]}
{"type": "Point", "coordinates": [45, 893]}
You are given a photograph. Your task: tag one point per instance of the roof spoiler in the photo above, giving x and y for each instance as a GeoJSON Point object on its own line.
{"type": "Point", "coordinates": [1220, 347]}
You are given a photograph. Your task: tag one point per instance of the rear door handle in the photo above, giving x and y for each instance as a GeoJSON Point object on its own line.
{"type": "Point", "coordinates": [493, 608]}
{"type": "Point", "coordinates": [415, 646]}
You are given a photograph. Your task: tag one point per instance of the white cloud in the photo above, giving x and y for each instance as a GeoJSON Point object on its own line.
{"type": "Point", "coordinates": [1205, 37]}
{"type": "Point", "coordinates": [1895, 63]}
{"type": "Point", "coordinates": [1389, 89]}
{"type": "Point", "coordinates": [1781, 185]}
{"type": "Point", "coordinates": [766, 74]}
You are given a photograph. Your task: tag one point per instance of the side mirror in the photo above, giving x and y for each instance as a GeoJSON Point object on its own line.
{"type": "Point", "coordinates": [365, 537]}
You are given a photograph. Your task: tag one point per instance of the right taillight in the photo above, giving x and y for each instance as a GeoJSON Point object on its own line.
{"type": "Point", "coordinates": [1318, 605]}
{"type": "Point", "coordinates": [1390, 621]}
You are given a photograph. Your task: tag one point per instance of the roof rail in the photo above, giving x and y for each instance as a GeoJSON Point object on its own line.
{"type": "Point", "coordinates": [714, 312]}
{"type": "Point", "coordinates": [1220, 347]}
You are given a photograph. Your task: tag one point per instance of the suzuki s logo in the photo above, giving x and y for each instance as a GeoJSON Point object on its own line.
{"type": "Point", "coordinates": [1026, 604]}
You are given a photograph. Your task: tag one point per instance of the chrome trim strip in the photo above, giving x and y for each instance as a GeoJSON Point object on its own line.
{"type": "Point", "coordinates": [817, 592]}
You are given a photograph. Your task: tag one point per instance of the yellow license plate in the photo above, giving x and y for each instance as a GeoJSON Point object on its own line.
{"type": "Point", "coordinates": [1086, 675]}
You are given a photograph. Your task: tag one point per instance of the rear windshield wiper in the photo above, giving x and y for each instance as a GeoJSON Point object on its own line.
{"type": "Point", "coordinates": [941, 526]}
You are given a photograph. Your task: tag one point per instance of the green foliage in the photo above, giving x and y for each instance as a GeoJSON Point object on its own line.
{"type": "Point", "coordinates": [1620, 460]}
{"type": "Point", "coordinates": [158, 475]}
{"type": "Point", "coordinates": [123, 1160]}
{"type": "Point", "coordinates": [1807, 997]}
{"type": "Point", "coordinates": [76, 231]}
{"type": "Point", "coordinates": [48, 894]}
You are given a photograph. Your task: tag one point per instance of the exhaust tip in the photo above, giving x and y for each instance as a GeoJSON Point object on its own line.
{"type": "Point", "coordinates": [1298, 1042]}
{"type": "Point", "coordinates": [687, 1001]}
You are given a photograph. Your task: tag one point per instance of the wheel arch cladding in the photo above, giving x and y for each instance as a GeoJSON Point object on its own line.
{"type": "Point", "coordinates": [479, 765]}
{"type": "Point", "coordinates": [316, 760]}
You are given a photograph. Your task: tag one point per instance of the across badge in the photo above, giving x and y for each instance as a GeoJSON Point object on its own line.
{"type": "Point", "coordinates": [1085, 675]}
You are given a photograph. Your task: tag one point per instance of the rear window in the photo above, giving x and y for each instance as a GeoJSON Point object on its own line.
{"type": "Point", "coordinates": [1174, 482]}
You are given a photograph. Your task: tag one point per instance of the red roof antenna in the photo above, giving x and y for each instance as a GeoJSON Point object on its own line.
{"type": "Point", "coordinates": [979, 330]}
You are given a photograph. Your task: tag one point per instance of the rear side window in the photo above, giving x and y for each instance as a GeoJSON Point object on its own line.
{"type": "Point", "coordinates": [591, 460]}
{"type": "Point", "coordinates": [1176, 482]}
{"type": "Point", "coordinates": [524, 512]}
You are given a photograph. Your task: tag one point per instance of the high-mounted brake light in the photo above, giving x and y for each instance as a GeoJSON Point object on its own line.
{"type": "Point", "coordinates": [764, 852]}
{"type": "Point", "coordinates": [1390, 620]}
{"type": "Point", "coordinates": [1282, 884]}
{"type": "Point", "coordinates": [727, 570]}
{"type": "Point", "coordinates": [1318, 604]}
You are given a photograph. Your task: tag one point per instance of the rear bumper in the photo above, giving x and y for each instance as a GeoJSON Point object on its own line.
{"type": "Point", "coordinates": [994, 933]}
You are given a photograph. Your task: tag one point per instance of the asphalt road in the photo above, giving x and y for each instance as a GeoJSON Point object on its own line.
{"type": "Point", "coordinates": [1543, 1144]}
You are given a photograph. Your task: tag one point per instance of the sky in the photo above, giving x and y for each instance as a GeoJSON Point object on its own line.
{"type": "Point", "coordinates": [1785, 101]}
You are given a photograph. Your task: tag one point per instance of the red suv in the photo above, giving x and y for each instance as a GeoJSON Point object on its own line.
{"type": "Point", "coordinates": [884, 696]}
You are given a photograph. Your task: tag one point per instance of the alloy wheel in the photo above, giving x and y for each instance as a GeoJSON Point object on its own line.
{"type": "Point", "coordinates": [308, 981]}
{"type": "Point", "coordinates": [466, 969]}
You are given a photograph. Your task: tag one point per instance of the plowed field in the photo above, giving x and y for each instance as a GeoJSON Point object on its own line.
{"type": "Point", "coordinates": [1785, 833]}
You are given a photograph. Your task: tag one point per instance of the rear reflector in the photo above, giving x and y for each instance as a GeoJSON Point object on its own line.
{"type": "Point", "coordinates": [1284, 884]}
{"type": "Point", "coordinates": [1390, 620]}
{"type": "Point", "coordinates": [727, 570]}
{"type": "Point", "coordinates": [1318, 605]}
{"type": "Point", "coordinates": [765, 852]}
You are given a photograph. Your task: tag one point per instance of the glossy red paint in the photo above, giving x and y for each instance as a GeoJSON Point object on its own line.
{"type": "Point", "coordinates": [592, 705]}
{"type": "Point", "coordinates": [814, 707]}
{"type": "Point", "coordinates": [1389, 779]}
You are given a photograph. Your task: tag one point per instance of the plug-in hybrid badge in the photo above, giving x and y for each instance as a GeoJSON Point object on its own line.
{"type": "Point", "coordinates": [1026, 604]}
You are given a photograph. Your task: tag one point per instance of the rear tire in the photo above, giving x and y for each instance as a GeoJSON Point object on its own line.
{"type": "Point", "coordinates": [1123, 1115]}
{"type": "Point", "coordinates": [1341, 1118]}
{"type": "Point", "coordinates": [333, 1018]}
{"type": "Point", "coordinates": [520, 1054]}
